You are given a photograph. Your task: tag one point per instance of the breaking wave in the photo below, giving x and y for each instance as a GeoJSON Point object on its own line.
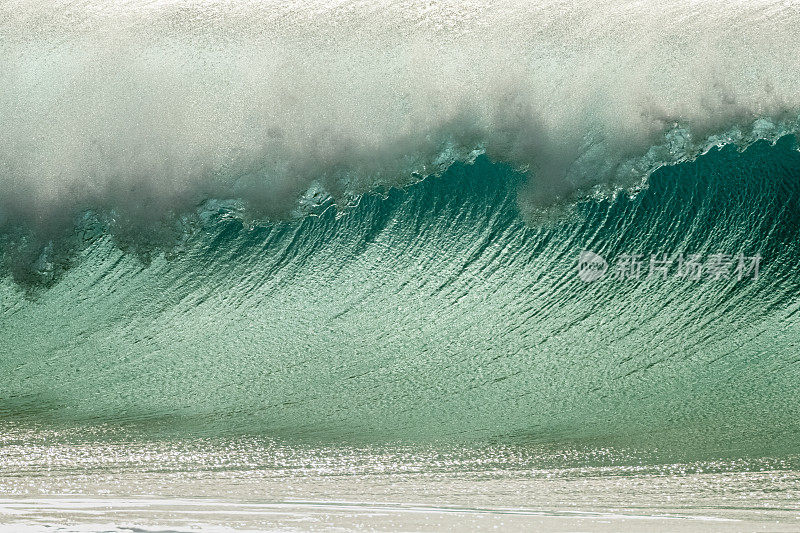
{"type": "Point", "coordinates": [340, 221]}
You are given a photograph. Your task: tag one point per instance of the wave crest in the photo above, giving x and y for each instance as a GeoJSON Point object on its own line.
{"type": "Point", "coordinates": [142, 111]}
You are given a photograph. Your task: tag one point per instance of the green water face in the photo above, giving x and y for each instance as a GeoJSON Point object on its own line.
{"type": "Point", "coordinates": [437, 313]}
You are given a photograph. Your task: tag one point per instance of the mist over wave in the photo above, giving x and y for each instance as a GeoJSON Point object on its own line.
{"type": "Point", "coordinates": [139, 111]}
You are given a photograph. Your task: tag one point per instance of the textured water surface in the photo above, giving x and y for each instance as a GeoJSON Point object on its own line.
{"type": "Point", "coordinates": [399, 265]}
{"type": "Point", "coordinates": [100, 480]}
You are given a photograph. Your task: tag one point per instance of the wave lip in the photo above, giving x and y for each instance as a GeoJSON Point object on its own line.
{"type": "Point", "coordinates": [141, 110]}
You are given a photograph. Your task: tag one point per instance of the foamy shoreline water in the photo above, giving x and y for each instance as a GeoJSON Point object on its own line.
{"type": "Point", "coordinates": [258, 485]}
{"type": "Point", "coordinates": [315, 492]}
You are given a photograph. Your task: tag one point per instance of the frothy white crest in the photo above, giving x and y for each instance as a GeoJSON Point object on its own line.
{"type": "Point", "coordinates": [145, 107]}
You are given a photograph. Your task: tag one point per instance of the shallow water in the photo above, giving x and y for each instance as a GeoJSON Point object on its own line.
{"type": "Point", "coordinates": [96, 479]}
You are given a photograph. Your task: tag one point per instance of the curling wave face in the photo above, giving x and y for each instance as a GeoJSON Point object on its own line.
{"type": "Point", "coordinates": [436, 312]}
{"type": "Point", "coordinates": [333, 221]}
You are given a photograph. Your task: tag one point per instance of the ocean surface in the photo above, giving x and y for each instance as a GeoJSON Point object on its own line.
{"type": "Point", "coordinates": [399, 266]}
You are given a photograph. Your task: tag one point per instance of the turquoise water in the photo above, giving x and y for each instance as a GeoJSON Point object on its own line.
{"type": "Point", "coordinates": [405, 265]}
{"type": "Point", "coordinates": [426, 359]}
{"type": "Point", "coordinates": [436, 312]}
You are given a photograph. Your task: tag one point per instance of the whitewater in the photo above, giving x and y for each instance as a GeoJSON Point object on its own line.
{"type": "Point", "coordinates": [310, 261]}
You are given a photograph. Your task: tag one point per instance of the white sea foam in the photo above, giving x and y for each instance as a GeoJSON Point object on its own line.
{"type": "Point", "coordinates": [145, 107]}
